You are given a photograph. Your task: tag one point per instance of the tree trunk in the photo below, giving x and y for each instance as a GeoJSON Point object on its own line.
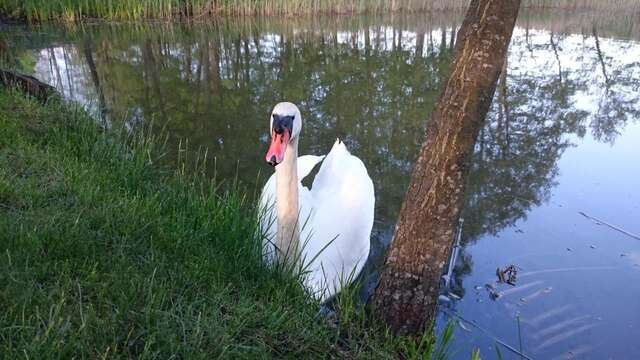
{"type": "Point", "coordinates": [407, 294]}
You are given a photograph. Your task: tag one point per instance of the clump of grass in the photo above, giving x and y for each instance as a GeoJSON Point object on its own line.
{"type": "Point", "coordinates": [106, 252]}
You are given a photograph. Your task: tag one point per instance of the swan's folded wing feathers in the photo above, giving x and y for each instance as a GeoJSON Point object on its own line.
{"type": "Point", "coordinates": [333, 166]}
{"type": "Point", "coordinates": [306, 164]}
{"type": "Point", "coordinates": [343, 198]}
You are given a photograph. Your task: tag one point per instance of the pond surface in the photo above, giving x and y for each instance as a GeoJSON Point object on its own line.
{"type": "Point", "coordinates": [553, 187]}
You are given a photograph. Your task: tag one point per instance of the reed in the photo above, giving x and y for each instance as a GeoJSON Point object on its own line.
{"type": "Point", "coordinates": [72, 10]}
{"type": "Point", "coordinates": [128, 10]}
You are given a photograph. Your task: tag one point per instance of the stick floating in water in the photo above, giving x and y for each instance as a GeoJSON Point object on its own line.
{"type": "Point", "coordinates": [487, 333]}
{"type": "Point", "coordinates": [599, 222]}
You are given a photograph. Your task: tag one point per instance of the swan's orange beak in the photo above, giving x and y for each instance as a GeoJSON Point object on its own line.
{"type": "Point", "coordinates": [279, 141]}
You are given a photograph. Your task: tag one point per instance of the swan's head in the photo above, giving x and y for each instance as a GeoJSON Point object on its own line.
{"type": "Point", "coordinates": [285, 126]}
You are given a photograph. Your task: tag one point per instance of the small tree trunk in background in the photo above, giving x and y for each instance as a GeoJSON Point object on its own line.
{"type": "Point", "coordinates": [407, 294]}
{"type": "Point", "coordinates": [88, 54]}
{"type": "Point", "coordinates": [600, 57]}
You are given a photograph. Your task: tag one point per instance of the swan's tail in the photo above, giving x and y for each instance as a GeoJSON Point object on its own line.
{"type": "Point", "coordinates": [339, 148]}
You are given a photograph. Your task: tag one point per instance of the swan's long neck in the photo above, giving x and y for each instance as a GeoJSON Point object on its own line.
{"type": "Point", "coordinates": [288, 236]}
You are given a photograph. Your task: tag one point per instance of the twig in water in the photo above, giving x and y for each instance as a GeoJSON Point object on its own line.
{"type": "Point", "coordinates": [609, 225]}
{"type": "Point", "coordinates": [454, 255]}
{"type": "Point", "coordinates": [519, 336]}
{"type": "Point", "coordinates": [487, 333]}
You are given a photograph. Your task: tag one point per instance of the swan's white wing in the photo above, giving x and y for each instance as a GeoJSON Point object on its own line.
{"type": "Point", "coordinates": [306, 164]}
{"type": "Point", "coordinates": [268, 215]}
{"type": "Point", "coordinates": [343, 203]}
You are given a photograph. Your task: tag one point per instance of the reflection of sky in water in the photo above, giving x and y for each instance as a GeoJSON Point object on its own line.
{"type": "Point", "coordinates": [73, 82]}
{"type": "Point", "coordinates": [578, 61]}
{"type": "Point", "coordinates": [579, 287]}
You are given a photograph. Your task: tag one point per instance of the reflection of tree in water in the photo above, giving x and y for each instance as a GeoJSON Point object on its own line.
{"type": "Point", "coordinates": [615, 106]}
{"type": "Point", "coordinates": [215, 87]}
{"type": "Point", "coordinates": [516, 156]}
{"type": "Point", "coordinates": [533, 120]}
{"type": "Point", "coordinates": [515, 162]}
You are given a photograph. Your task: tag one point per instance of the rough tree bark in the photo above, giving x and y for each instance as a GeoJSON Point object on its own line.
{"type": "Point", "coordinates": [406, 296]}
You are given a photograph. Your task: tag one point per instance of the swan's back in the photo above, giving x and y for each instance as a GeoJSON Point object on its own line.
{"type": "Point", "coordinates": [343, 210]}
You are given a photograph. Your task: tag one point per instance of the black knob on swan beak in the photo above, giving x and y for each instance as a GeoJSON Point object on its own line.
{"type": "Point", "coordinates": [272, 161]}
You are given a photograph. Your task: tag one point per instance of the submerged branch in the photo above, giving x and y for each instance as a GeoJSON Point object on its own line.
{"type": "Point", "coordinates": [28, 84]}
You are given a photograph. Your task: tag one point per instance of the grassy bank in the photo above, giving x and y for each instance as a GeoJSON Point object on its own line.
{"type": "Point", "coordinates": [107, 254]}
{"type": "Point", "coordinates": [73, 10]}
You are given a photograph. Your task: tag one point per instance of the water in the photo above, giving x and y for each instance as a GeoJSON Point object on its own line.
{"type": "Point", "coordinates": [562, 138]}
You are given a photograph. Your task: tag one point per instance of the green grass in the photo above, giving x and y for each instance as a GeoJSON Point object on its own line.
{"type": "Point", "coordinates": [105, 252]}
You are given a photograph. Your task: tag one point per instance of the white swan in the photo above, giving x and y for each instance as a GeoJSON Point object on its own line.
{"type": "Point", "coordinates": [327, 228]}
